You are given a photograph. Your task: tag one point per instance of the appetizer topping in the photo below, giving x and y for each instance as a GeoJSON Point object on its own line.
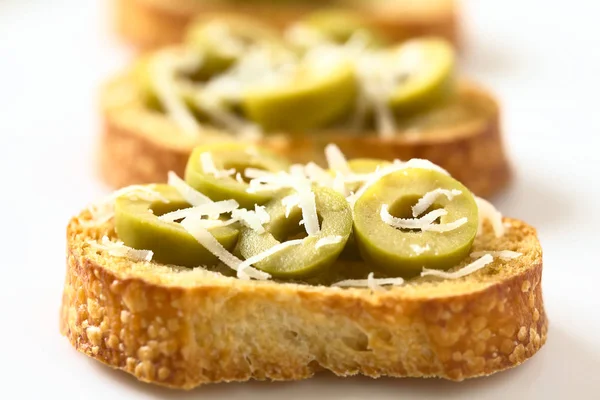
{"type": "Point", "coordinates": [487, 212]}
{"type": "Point", "coordinates": [371, 282]}
{"type": "Point", "coordinates": [429, 199]}
{"type": "Point", "coordinates": [239, 75]}
{"type": "Point", "coordinates": [384, 235]}
{"type": "Point", "coordinates": [118, 249]}
{"type": "Point", "coordinates": [464, 271]}
{"type": "Point", "coordinates": [503, 255]}
{"type": "Point", "coordinates": [139, 228]}
{"type": "Point", "coordinates": [103, 210]}
{"type": "Point", "coordinates": [210, 243]}
{"type": "Point", "coordinates": [232, 157]}
{"type": "Point", "coordinates": [189, 194]}
{"type": "Point", "coordinates": [304, 258]}
{"type": "Point", "coordinates": [164, 68]}
{"type": "Point", "coordinates": [404, 216]}
{"type": "Point", "coordinates": [252, 219]}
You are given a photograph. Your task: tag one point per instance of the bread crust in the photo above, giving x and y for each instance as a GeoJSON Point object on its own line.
{"type": "Point", "coordinates": [149, 24]}
{"type": "Point", "coordinates": [185, 329]}
{"type": "Point", "coordinates": [139, 146]}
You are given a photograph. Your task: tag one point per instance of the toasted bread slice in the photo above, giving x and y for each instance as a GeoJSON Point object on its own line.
{"type": "Point", "coordinates": [182, 328]}
{"type": "Point", "coordinates": [148, 24]}
{"type": "Point", "coordinates": [140, 146]}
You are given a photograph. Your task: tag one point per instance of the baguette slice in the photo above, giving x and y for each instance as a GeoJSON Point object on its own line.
{"type": "Point", "coordinates": [149, 24]}
{"type": "Point", "coordinates": [182, 328]}
{"type": "Point", "coordinates": [138, 145]}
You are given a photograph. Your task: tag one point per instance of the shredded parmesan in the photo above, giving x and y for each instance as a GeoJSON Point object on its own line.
{"type": "Point", "coordinates": [336, 160]}
{"type": "Point", "coordinates": [164, 68]}
{"type": "Point", "coordinates": [209, 209]}
{"type": "Point", "coordinates": [252, 219]}
{"type": "Point", "coordinates": [102, 211]}
{"type": "Point", "coordinates": [503, 254]}
{"type": "Point", "coordinates": [410, 223]}
{"type": "Point", "coordinates": [189, 194]}
{"type": "Point", "coordinates": [267, 253]}
{"type": "Point", "coordinates": [262, 214]}
{"type": "Point", "coordinates": [211, 244]}
{"type": "Point", "coordinates": [289, 202]}
{"type": "Point", "coordinates": [488, 212]}
{"type": "Point", "coordinates": [464, 271]}
{"type": "Point", "coordinates": [371, 282]}
{"type": "Point", "coordinates": [328, 240]}
{"type": "Point", "coordinates": [118, 249]}
{"type": "Point", "coordinates": [430, 197]}
{"type": "Point", "coordinates": [318, 175]}
{"type": "Point", "coordinates": [450, 226]}
{"type": "Point", "coordinates": [208, 166]}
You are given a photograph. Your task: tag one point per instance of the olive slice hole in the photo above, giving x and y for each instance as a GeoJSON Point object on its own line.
{"type": "Point", "coordinates": [402, 208]}
{"type": "Point", "coordinates": [290, 228]}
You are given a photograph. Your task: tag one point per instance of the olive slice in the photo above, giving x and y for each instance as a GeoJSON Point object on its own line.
{"type": "Point", "coordinates": [138, 226]}
{"type": "Point", "coordinates": [402, 252]}
{"type": "Point", "coordinates": [315, 95]}
{"type": "Point", "coordinates": [424, 70]}
{"type": "Point", "coordinates": [143, 76]}
{"type": "Point", "coordinates": [359, 166]}
{"type": "Point", "coordinates": [236, 157]}
{"type": "Point", "coordinates": [221, 39]}
{"type": "Point", "coordinates": [303, 260]}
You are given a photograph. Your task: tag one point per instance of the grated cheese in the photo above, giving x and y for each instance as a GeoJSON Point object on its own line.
{"type": "Point", "coordinates": [371, 282]}
{"type": "Point", "coordinates": [450, 226]}
{"type": "Point", "coordinates": [289, 202]}
{"type": "Point", "coordinates": [269, 252]}
{"type": "Point", "coordinates": [252, 219]}
{"type": "Point", "coordinates": [189, 194]}
{"type": "Point", "coordinates": [336, 159]}
{"type": "Point", "coordinates": [208, 166]}
{"type": "Point", "coordinates": [328, 240]}
{"type": "Point", "coordinates": [464, 271]}
{"type": "Point", "coordinates": [410, 223]}
{"type": "Point", "coordinates": [102, 211]}
{"type": "Point", "coordinates": [318, 175]}
{"type": "Point", "coordinates": [118, 249]}
{"type": "Point", "coordinates": [430, 197]}
{"type": "Point", "coordinates": [210, 209]}
{"type": "Point", "coordinates": [211, 244]}
{"type": "Point", "coordinates": [488, 212]}
{"type": "Point", "coordinates": [503, 254]}
{"type": "Point", "coordinates": [164, 68]}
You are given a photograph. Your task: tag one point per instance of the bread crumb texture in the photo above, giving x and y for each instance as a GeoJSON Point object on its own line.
{"type": "Point", "coordinates": [186, 327]}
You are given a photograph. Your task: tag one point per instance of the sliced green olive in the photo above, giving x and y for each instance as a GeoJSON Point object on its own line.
{"type": "Point", "coordinates": [222, 39]}
{"type": "Point", "coordinates": [315, 96]}
{"type": "Point", "coordinates": [143, 74]}
{"type": "Point", "coordinates": [231, 156]}
{"type": "Point", "coordinates": [403, 252]}
{"type": "Point", "coordinates": [303, 260]}
{"type": "Point", "coordinates": [359, 166]}
{"type": "Point", "coordinates": [425, 74]}
{"type": "Point", "coordinates": [138, 226]}
{"type": "Point", "coordinates": [339, 25]}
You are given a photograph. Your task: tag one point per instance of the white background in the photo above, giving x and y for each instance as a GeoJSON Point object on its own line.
{"type": "Point", "coordinates": [541, 57]}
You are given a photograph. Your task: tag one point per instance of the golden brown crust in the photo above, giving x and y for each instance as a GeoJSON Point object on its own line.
{"type": "Point", "coordinates": [139, 146]}
{"type": "Point", "coordinates": [186, 328]}
{"type": "Point", "coordinates": [148, 24]}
